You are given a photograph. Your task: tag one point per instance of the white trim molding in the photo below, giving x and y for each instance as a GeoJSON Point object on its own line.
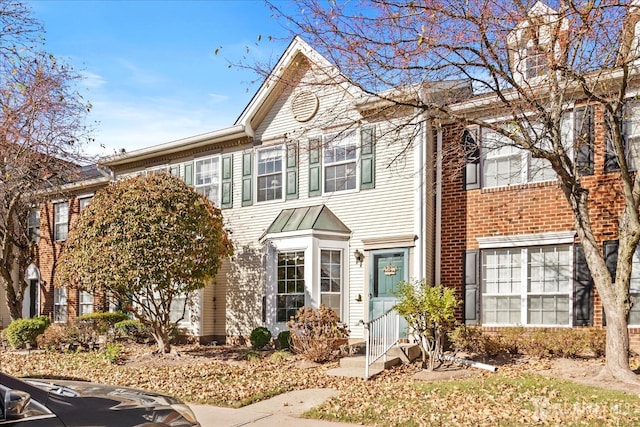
{"type": "Point", "coordinates": [537, 239]}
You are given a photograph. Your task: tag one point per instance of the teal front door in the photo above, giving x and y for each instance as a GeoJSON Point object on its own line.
{"type": "Point", "coordinates": [387, 270]}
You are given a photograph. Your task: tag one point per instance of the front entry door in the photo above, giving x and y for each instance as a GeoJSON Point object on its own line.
{"type": "Point", "coordinates": [387, 270]}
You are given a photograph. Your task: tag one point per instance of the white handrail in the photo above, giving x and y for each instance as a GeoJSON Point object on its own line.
{"type": "Point", "coordinates": [381, 334]}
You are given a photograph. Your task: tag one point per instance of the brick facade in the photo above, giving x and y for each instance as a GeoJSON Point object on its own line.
{"type": "Point", "coordinates": [519, 210]}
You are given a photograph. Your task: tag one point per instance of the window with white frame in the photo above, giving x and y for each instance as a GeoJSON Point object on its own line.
{"type": "Point", "coordinates": [180, 310]}
{"type": "Point", "coordinates": [630, 122]}
{"type": "Point", "coordinates": [505, 164]}
{"type": "Point", "coordinates": [527, 286]}
{"type": "Point", "coordinates": [33, 225]}
{"type": "Point", "coordinates": [207, 178]}
{"type": "Point", "coordinates": [331, 279]}
{"type": "Point", "coordinates": [85, 303]}
{"type": "Point", "coordinates": [269, 167]}
{"type": "Point", "coordinates": [634, 290]}
{"type": "Point", "coordinates": [340, 162]}
{"type": "Point", "coordinates": [84, 202]}
{"type": "Point", "coordinates": [60, 221]}
{"type": "Point", "coordinates": [290, 293]}
{"type": "Point", "coordinates": [59, 305]}
{"type": "Point", "coordinates": [536, 63]}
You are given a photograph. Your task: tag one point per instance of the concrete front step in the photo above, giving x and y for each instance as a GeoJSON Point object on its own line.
{"type": "Point", "coordinates": [354, 366]}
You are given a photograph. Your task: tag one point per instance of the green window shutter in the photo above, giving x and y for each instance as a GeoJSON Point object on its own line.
{"type": "Point", "coordinates": [583, 289]}
{"type": "Point", "coordinates": [315, 167]}
{"type": "Point", "coordinates": [471, 147]}
{"type": "Point", "coordinates": [292, 170]}
{"type": "Point", "coordinates": [472, 287]}
{"type": "Point", "coordinates": [247, 179]}
{"type": "Point", "coordinates": [174, 170]}
{"type": "Point", "coordinates": [227, 181]}
{"type": "Point", "coordinates": [188, 173]}
{"type": "Point", "coordinates": [367, 158]}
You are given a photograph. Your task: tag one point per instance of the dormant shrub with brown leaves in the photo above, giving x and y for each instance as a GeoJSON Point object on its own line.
{"type": "Point", "coordinates": [149, 241]}
{"type": "Point", "coordinates": [316, 334]}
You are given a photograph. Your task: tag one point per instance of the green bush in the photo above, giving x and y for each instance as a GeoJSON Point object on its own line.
{"type": "Point", "coordinates": [284, 340]}
{"type": "Point", "coordinates": [133, 330]}
{"type": "Point", "coordinates": [112, 352]}
{"type": "Point", "coordinates": [260, 337]}
{"type": "Point", "coordinates": [25, 331]}
{"type": "Point", "coordinates": [103, 321]}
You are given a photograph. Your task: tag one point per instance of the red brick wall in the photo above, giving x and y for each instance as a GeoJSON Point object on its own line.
{"type": "Point", "coordinates": [521, 209]}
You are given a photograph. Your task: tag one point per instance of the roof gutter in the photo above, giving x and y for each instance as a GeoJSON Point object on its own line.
{"type": "Point", "coordinates": [196, 141]}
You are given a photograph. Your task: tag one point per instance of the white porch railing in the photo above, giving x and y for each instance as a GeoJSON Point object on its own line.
{"type": "Point", "coordinates": [380, 335]}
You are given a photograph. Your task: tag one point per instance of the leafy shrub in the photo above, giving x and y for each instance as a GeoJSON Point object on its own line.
{"type": "Point", "coordinates": [284, 340]}
{"type": "Point", "coordinates": [133, 330]}
{"type": "Point", "coordinates": [103, 321]}
{"type": "Point", "coordinates": [596, 340]}
{"type": "Point", "coordinates": [430, 314]}
{"type": "Point", "coordinates": [55, 337]}
{"type": "Point", "coordinates": [21, 332]}
{"type": "Point", "coordinates": [279, 356]}
{"type": "Point", "coordinates": [510, 340]}
{"type": "Point", "coordinates": [259, 337]}
{"type": "Point", "coordinates": [253, 356]}
{"type": "Point", "coordinates": [112, 352]}
{"type": "Point", "coordinates": [317, 334]}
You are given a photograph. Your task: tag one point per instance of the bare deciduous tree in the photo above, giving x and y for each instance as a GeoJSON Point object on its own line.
{"type": "Point", "coordinates": [526, 63]}
{"type": "Point", "coordinates": [41, 129]}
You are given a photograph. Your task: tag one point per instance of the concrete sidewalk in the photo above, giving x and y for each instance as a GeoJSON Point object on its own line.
{"type": "Point", "coordinates": [283, 410]}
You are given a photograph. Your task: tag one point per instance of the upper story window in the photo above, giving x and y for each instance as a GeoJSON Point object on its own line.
{"type": "Point", "coordinates": [340, 162]}
{"type": "Point", "coordinates": [505, 164]}
{"type": "Point", "coordinates": [207, 178]}
{"type": "Point", "coordinates": [60, 221]}
{"type": "Point", "coordinates": [84, 202]}
{"type": "Point", "coordinates": [33, 225]}
{"type": "Point", "coordinates": [535, 62]}
{"type": "Point", "coordinates": [269, 174]}
{"type": "Point", "coordinates": [630, 130]}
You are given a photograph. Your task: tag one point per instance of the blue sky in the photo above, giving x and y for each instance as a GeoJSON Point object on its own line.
{"type": "Point", "coordinates": [150, 68]}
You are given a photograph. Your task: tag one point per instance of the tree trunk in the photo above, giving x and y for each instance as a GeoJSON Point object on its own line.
{"type": "Point", "coordinates": [163, 342]}
{"type": "Point", "coordinates": [617, 348]}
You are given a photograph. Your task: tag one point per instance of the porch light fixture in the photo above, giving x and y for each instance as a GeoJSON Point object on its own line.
{"type": "Point", "coordinates": [359, 256]}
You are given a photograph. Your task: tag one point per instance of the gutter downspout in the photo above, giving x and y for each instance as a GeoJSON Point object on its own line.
{"type": "Point", "coordinates": [438, 236]}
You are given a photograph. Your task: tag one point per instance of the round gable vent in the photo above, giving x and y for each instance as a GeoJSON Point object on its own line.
{"type": "Point", "coordinates": [304, 105]}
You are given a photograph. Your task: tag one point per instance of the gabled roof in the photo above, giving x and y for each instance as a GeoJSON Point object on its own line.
{"type": "Point", "coordinates": [317, 218]}
{"type": "Point", "coordinates": [264, 98]}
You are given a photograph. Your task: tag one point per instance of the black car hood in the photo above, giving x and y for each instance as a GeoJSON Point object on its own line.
{"type": "Point", "coordinates": [122, 396]}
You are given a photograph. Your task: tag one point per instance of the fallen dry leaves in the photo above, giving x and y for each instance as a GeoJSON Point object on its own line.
{"type": "Point", "coordinates": [222, 376]}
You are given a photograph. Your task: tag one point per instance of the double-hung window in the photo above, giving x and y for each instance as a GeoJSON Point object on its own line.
{"type": "Point", "coordinates": [59, 304]}
{"type": "Point", "coordinates": [290, 293]}
{"type": "Point", "coordinates": [269, 168]}
{"type": "Point", "coordinates": [84, 202]}
{"type": "Point", "coordinates": [340, 162]}
{"type": "Point", "coordinates": [634, 291]}
{"type": "Point", "coordinates": [85, 303]}
{"type": "Point", "coordinates": [61, 221]}
{"type": "Point", "coordinates": [506, 164]}
{"type": "Point", "coordinates": [536, 63]}
{"type": "Point", "coordinates": [630, 130]}
{"type": "Point", "coordinates": [331, 279]}
{"type": "Point", "coordinates": [33, 225]}
{"type": "Point", "coordinates": [527, 286]}
{"type": "Point", "coordinates": [207, 178]}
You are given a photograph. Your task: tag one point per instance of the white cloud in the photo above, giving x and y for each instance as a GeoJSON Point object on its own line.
{"type": "Point", "coordinates": [92, 80]}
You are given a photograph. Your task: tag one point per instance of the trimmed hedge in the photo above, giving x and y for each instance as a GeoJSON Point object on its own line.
{"type": "Point", "coordinates": [21, 332]}
{"type": "Point", "coordinates": [102, 321]}
{"type": "Point", "coordinates": [260, 337]}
